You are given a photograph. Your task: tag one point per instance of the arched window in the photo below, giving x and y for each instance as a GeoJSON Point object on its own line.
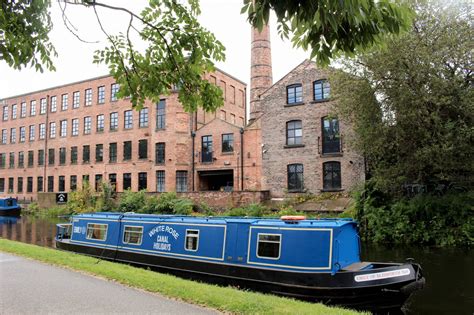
{"type": "Point", "coordinates": [294, 132]}
{"type": "Point", "coordinates": [295, 177]}
{"type": "Point", "coordinates": [322, 90]}
{"type": "Point", "coordinates": [331, 176]}
{"type": "Point", "coordinates": [331, 137]}
{"type": "Point", "coordinates": [294, 94]}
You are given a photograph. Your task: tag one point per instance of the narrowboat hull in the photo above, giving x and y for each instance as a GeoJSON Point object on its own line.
{"type": "Point", "coordinates": [373, 291]}
{"type": "Point", "coordinates": [10, 212]}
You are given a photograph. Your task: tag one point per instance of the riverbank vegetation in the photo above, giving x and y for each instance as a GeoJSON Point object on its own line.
{"type": "Point", "coordinates": [226, 299]}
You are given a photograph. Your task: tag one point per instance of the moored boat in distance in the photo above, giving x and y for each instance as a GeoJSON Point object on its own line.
{"type": "Point", "coordinates": [9, 207]}
{"type": "Point", "coordinates": [316, 260]}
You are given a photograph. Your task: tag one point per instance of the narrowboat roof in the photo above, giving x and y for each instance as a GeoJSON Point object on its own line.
{"type": "Point", "coordinates": [328, 223]}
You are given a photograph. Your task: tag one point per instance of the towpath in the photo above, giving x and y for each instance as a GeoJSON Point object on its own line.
{"type": "Point", "coordinates": [30, 287]}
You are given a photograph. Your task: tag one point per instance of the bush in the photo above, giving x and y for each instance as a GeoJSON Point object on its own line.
{"type": "Point", "coordinates": [106, 198]}
{"type": "Point", "coordinates": [131, 201]}
{"type": "Point", "coordinates": [183, 207]}
{"type": "Point", "coordinates": [82, 200]}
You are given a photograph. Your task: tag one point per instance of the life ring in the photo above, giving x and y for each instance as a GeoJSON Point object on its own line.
{"type": "Point", "coordinates": [292, 217]}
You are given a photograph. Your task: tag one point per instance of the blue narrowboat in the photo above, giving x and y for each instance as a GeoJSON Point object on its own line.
{"type": "Point", "coordinates": [317, 260]}
{"type": "Point", "coordinates": [9, 207]}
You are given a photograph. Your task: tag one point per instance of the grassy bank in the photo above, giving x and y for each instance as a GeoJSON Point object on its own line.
{"type": "Point", "coordinates": [221, 298]}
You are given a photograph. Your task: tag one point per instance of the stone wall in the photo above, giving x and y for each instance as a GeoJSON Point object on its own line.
{"type": "Point", "coordinates": [222, 199]}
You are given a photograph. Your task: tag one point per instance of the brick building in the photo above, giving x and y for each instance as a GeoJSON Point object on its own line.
{"type": "Point", "coordinates": [55, 139]}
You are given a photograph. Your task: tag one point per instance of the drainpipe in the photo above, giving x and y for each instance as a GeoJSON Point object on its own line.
{"type": "Point", "coordinates": [241, 159]}
{"type": "Point", "coordinates": [46, 133]}
{"type": "Point", "coordinates": [193, 136]}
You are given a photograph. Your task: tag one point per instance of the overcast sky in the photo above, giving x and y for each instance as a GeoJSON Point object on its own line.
{"type": "Point", "coordinates": [74, 61]}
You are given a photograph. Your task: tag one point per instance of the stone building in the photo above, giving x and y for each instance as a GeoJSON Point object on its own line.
{"type": "Point", "coordinates": [56, 139]}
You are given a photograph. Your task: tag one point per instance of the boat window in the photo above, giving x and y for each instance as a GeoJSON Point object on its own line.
{"type": "Point", "coordinates": [96, 231]}
{"type": "Point", "coordinates": [269, 246]}
{"type": "Point", "coordinates": [133, 235]}
{"type": "Point", "coordinates": [192, 240]}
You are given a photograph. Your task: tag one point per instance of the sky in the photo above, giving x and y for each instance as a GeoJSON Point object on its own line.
{"type": "Point", "coordinates": [74, 61]}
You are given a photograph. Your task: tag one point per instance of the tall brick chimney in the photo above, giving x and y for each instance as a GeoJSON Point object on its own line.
{"type": "Point", "coordinates": [260, 68]}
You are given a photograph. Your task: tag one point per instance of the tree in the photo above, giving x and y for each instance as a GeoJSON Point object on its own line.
{"type": "Point", "coordinates": [411, 104]}
{"type": "Point", "coordinates": [180, 51]}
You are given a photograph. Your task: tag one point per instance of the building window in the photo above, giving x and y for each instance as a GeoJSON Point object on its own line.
{"type": "Point", "coordinates": [4, 136]}
{"type": "Point", "coordinates": [113, 121]}
{"type": "Point", "coordinates": [127, 150]}
{"type": "Point", "coordinates": [21, 159]}
{"type": "Point", "coordinates": [322, 90]}
{"type": "Point", "coordinates": [54, 104]}
{"type": "Point", "coordinates": [75, 127]}
{"type": "Point", "coordinates": [12, 135]}
{"type": "Point", "coordinates": [62, 156]}
{"type": "Point", "coordinates": [31, 157]}
{"type": "Point", "coordinates": [3, 160]}
{"type": "Point", "coordinates": [294, 132]}
{"type": "Point", "coordinates": [127, 181]}
{"type": "Point", "coordinates": [101, 95]}
{"type": "Point", "coordinates": [73, 155]}
{"type": "Point", "coordinates": [22, 110]}
{"type": "Point", "coordinates": [42, 106]}
{"type": "Point", "coordinates": [40, 157]}
{"type": "Point", "coordinates": [50, 156]}
{"type": "Point", "coordinates": [85, 180]}
{"type": "Point", "coordinates": [19, 184]}
{"type": "Point", "coordinates": [142, 181]}
{"type": "Point", "coordinates": [87, 125]}
{"type": "Point", "coordinates": [63, 128]}
{"type": "Point", "coordinates": [64, 102]}
{"type": "Point", "coordinates": [331, 176]}
{"type": "Point", "coordinates": [29, 185]}
{"type": "Point", "coordinates": [100, 123]}
{"type": "Point", "coordinates": [12, 160]}
{"type": "Point", "coordinates": [143, 118]}
{"type": "Point", "coordinates": [88, 97]}
{"type": "Point", "coordinates": [128, 119]}
{"type": "Point", "coordinates": [10, 184]}
{"type": "Point", "coordinates": [50, 183]}
{"type": "Point", "coordinates": [86, 154]}
{"type": "Point", "coordinates": [14, 111]}
{"type": "Point", "coordinates": [192, 240]}
{"type": "Point", "coordinates": [294, 94]}
{"type": "Point", "coordinates": [99, 152]}
{"type": "Point", "coordinates": [22, 134]}
{"type": "Point", "coordinates": [143, 149]}
{"type": "Point", "coordinates": [5, 112]}
{"type": "Point", "coordinates": [73, 182]}
{"type": "Point", "coordinates": [206, 149]}
{"type": "Point", "coordinates": [2, 185]}
{"type": "Point", "coordinates": [52, 130]}
{"type": "Point", "coordinates": [33, 108]}
{"type": "Point", "coordinates": [295, 177]}
{"type": "Point", "coordinates": [269, 246]}
{"type": "Point", "coordinates": [161, 114]}
{"type": "Point", "coordinates": [76, 99]}
{"type": "Point", "coordinates": [181, 181]}
{"type": "Point", "coordinates": [62, 183]}
{"type": "Point", "coordinates": [227, 143]}
{"type": "Point", "coordinates": [113, 152]}
{"type": "Point", "coordinates": [32, 132]}
{"type": "Point", "coordinates": [98, 181]}
{"type": "Point", "coordinates": [42, 131]}
{"type": "Point", "coordinates": [39, 184]}
{"type": "Point", "coordinates": [133, 235]}
{"type": "Point", "coordinates": [113, 91]}
{"type": "Point", "coordinates": [331, 138]}
{"type": "Point", "coordinates": [160, 181]}
{"type": "Point", "coordinates": [113, 181]}
{"type": "Point", "coordinates": [96, 231]}
{"type": "Point", "coordinates": [160, 153]}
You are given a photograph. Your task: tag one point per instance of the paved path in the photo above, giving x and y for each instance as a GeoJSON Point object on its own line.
{"type": "Point", "coordinates": [30, 287]}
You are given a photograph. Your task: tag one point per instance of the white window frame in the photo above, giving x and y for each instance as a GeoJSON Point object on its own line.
{"type": "Point", "coordinates": [97, 239]}
{"type": "Point", "coordinates": [186, 240]}
{"type": "Point", "coordinates": [279, 245]}
{"type": "Point", "coordinates": [132, 226]}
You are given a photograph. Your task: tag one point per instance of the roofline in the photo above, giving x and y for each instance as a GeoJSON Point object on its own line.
{"type": "Point", "coordinates": [91, 79]}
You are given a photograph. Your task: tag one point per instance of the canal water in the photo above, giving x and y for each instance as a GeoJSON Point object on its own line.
{"type": "Point", "coordinates": [448, 271]}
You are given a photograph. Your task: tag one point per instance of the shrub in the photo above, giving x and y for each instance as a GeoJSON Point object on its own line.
{"type": "Point", "coordinates": [106, 198]}
{"type": "Point", "coordinates": [183, 207]}
{"type": "Point", "coordinates": [131, 201]}
{"type": "Point", "coordinates": [81, 200]}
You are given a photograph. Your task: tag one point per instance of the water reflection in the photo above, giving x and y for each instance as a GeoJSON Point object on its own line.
{"type": "Point", "coordinates": [31, 230]}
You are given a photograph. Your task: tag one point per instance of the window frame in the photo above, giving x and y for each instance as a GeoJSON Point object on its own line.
{"type": "Point", "coordinates": [125, 231]}
{"type": "Point", "coordinates": [332, 188]}
{"type": "Point", "coordinates": [273, 242]}
{"type": "Point", "coordinates": [89, 237]}
{"type": "Point", "coordinates": [322, 83]}
{"type": "Point", "coordinates": [186, 240]}
{"type": "Point", "coordinates": [294, 129]}
{"type": "Point", "coordinates": [101, 94]}
{"type": "Point", "coordinates": [295, 100]}
{"type": "Point", "coordinates": [297, 189]}
{"type": "Point", "coordinates": [231, 135]}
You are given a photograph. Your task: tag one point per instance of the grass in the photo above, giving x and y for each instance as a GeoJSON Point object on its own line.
{"type": "Point", "coordinates": [224, 299]}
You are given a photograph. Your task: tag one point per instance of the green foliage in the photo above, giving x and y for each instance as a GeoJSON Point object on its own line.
{"type": "Point", "coordinates": [252, 210]}
{"type": "Point", "coordinates": [411, 104]}
{"type": "Point", "coordinates": [131, 201]}
{"type": "Point", "coordinates": [106, 199]}
{"type": "Point", "coordinates": [331, 27]}
{"type": "Point", "coordinates": [429, 220]}
{"type": "Point", "coordinates": [183, 207]}
{"type": "Point", "coordinates": [24, 34]}
{"type": "Point", "coordinates": [82, 200]}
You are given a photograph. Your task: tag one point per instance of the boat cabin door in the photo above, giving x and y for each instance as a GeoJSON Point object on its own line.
{"type": "Point", "coordinates": [237, 238]}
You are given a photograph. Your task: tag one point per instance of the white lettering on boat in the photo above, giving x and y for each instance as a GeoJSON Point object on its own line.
{"type": "Point", "coordinates": [162, 243]}
{"type": "Point", "coordinates": [382, 275]}
{"type": "Point", "coordinates": [164, 228]}
{"type": "Point", "coordinates": [79, 230]}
